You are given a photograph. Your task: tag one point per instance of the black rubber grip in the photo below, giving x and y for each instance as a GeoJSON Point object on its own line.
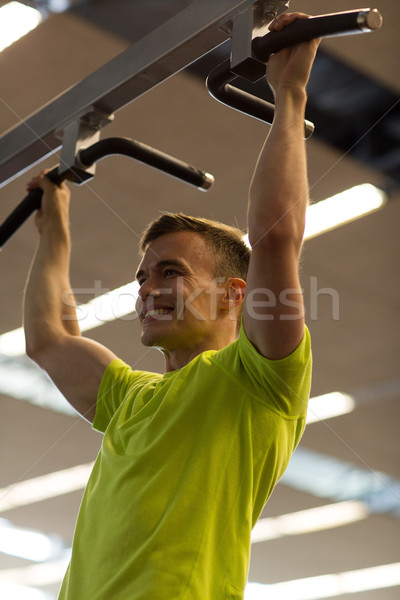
{"type": "Point", "coordinates": [304, 30]}
{"type": "Point", "coordinates": [148, 155]}
{"type": "Point", "coordinates": [25, 208]}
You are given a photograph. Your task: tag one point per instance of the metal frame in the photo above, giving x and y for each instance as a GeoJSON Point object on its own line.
{"type": "Point", "coordinates": [251, 53]}
{"type": "Point", "coordinates": [84, 109]}
{"type": "Point", "coordinates": [79, 168]}
{"type": "Point", "coordinates": [165, 51]}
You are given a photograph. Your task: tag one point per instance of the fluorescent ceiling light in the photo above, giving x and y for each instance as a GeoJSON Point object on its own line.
{"type": "Point", "coordinates": [44, 487]}
{"type": "Point", "coordinates": [20, 378]}
{"type": "Point", "coordinates": [58, 6]}
{"type": "Point", "coordinates": [12, 343]}
{"type": "Point", "coordinates": [327, 586]}
{"type": "Point", "coordinates": [114, 304]}
{"type": "Point", "coordinates": [16, 20]}
{"type": "Point", "coordinates": [342, 208]}
{"type": "Point", "coordinates": [310, 588]}
{"type": "Point", "coordinates": [26, 543]}
{"type": "Point", "coordinates": [328, 406]}
{"type": "Point", "coordinates": [14, 591]}
{"type": "Point", "coordinates": [307, 521]}
{"type": "Point", "coordinates": [325, 476]}
{"type": "Point", "coordinates": [48, 573]}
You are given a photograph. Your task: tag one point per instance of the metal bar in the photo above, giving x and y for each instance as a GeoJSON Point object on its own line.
{"type": "Point", "coordinates": [253, 66]}
{"type": "Point", "coordinates": [86, 158]}
{"type": "Point", "coordinates": [148, 155]}
{"type": "Point", "coordinates": [304, 30]}
{"type": "Point", "coordinates": [165, 51]}
{"type": "Point", "coordinates": [218, 86]}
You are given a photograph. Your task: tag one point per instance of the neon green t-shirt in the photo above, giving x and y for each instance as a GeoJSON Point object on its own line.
{"type": "Point", "coordinates": [187, 462]}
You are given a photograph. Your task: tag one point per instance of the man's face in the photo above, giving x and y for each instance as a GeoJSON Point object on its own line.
{"type": "Point", "coordinates": [178, 296]}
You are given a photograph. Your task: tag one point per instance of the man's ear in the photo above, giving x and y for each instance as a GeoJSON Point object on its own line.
{"type": "Point", "coordinates": [234, 292]}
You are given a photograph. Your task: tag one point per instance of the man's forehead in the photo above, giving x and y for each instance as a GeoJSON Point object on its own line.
{"type": "Point", "coordinates": [182, 247]}
{"type": "Point", "coordinates": [158, 264]}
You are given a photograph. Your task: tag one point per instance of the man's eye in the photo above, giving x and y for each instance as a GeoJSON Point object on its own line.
{"type": "Point", "coordinates": [169, 272]}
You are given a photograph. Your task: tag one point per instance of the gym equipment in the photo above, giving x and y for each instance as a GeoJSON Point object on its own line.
{"type": "Point", "coordinates": [249, 55]}
{"type": "Point", "coordinates": [79, 173]}
{"type": "Point", "coordinates": [83, 110]}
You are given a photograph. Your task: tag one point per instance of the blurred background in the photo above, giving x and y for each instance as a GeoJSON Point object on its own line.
{"type": "Point", "coordinates": [331, 528]}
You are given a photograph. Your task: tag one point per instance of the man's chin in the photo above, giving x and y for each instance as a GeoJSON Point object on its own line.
{"type": "Point", "coordinates": [151, 341]}
{"type": "Point", "coordinates": [156, 334]}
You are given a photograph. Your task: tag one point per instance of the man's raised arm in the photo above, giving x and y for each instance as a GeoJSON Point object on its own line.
{"type": "Point", "coordinates": [74, 363]}
{"type": "Point", "coordinates": [273, 313]}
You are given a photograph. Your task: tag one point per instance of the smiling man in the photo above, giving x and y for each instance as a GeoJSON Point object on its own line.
{"type": "Point", "coordinates": [189, 457]}
{"type": "Point", "coordinates": [188, 302]}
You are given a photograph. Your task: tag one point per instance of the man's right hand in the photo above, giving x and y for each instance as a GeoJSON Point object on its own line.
{"type": "Point", "coordinates": [55, 200]}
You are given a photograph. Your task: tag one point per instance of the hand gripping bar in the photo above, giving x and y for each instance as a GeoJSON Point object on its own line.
{"type": "Point", "coordinates": [25, 208]}
{"type": "Point", "coordinates": [302, 30]}
{"type": "Point", "coordinates": [87, 157]}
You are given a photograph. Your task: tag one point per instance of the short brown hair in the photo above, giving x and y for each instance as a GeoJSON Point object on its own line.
{"type": "Point", "coordinates": [226, 243]}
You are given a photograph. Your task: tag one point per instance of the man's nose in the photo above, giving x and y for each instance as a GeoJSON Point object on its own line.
{"type": "Point", "coordinates": [148, 288]}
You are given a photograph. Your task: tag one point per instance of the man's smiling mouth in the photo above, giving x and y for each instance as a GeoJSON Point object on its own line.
{"type": "Point", "coordinates": [154, 312]}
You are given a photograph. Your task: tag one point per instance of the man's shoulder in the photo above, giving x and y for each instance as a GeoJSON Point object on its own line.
{"type": "Point", "coordinates": [119, 373]}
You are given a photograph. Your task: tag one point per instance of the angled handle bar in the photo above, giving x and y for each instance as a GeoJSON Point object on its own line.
{"type": "Point", "coordinates": [302, 30]}
{"type": "Point", "coordinates": [150, 156]}
{"type": "Point", "coordinates": [87, 157]}
{"type": "Point", "coordinates": [218, 87]}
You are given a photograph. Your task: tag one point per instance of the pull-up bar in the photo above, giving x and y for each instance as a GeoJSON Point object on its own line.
{"type": "Point", "coordinates": [171, 47]}
{"type": "Point", "coordinates": [250, 61]}
{"type": "Point", "coordinates": [84, 109]}
{"type": "Point", "coordinates": [91, 155]}
{"type": "Point", "coordinates": [324, 26]}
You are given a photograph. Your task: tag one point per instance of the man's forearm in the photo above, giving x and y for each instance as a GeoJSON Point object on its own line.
{"type": "Point", "coordinates": [48, 297]}
{"type": "Point", "coordinates": [277, 206]}
{"type": "Point", "coordinates": [279, 189]}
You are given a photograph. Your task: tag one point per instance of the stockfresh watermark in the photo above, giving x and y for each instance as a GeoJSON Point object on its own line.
{"type": "Point", "coordinates": [176, 302]}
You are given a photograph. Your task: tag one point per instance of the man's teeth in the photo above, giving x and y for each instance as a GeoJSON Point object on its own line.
{"type": "Point", "coordinates": [157, 311]}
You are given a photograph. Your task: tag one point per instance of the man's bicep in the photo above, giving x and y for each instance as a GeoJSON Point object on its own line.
{"type": "Point", "coordinates": [76, 365]}
{"type": "Point", "coordinates": [273, 313]}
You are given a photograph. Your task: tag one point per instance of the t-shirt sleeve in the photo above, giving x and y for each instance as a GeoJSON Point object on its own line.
{"type": "Point", "coordinates": [285, 383]}
{"type": "Point", "coordinates": [117, 382]}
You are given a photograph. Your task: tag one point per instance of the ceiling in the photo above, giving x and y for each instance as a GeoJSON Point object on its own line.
{"type": "Point", "coordinates": [350, 275]}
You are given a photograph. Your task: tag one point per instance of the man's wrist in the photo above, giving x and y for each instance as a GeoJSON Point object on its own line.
{"type": "Point", "coordinates": [292, 95]}
{"type": "Point", "coordinates": [291, 104]}
{"type": "Point", "coordinates": [55, 229]}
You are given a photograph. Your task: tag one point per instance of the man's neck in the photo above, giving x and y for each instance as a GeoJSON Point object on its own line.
{"type": "Point", "coordinates": [176, 359]}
